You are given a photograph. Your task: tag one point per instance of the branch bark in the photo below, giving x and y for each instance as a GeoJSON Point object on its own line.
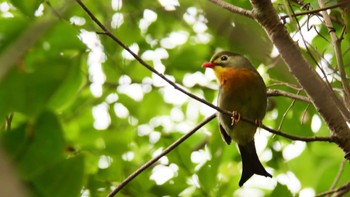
{"type": "Point", "coordinates": [10, 183]}
{"type": "Point", "coordinates": [298, 97]}
{"type": "Point", "coordinates": [233, 8]}
{"type": "Point", "coordinates": [322, 97]}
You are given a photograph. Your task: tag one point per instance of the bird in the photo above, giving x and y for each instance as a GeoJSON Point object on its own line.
{"type": "Point", "coordinates": [243, 92]}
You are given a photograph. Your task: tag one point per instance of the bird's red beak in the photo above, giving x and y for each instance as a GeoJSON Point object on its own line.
{"type": "Point", "coordinates": [208, 65]}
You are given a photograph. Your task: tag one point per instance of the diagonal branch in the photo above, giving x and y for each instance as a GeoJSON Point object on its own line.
{"type": "Point", "coordinates": [339, 192]}
{"type": "Point", "coordinates": [340, 172]}
{"type": "Point", "coordinates": [166, 151]}
{"type": "Point", "coordinates": [233, 9]}
{"type": "Point", "coordinates": [315, 11]}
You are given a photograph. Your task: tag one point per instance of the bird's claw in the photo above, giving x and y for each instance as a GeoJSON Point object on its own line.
{"type": "Point", "coordinates": [235, 118]}
{"type": "Point", "coordinates": [258, 123]}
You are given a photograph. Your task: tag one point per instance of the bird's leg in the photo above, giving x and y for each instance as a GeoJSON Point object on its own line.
{"type": "Point", "coordinates": [235, 118]}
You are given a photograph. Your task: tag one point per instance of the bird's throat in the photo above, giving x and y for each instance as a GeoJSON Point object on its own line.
{"type": "Point", "coordinates": [235, 78]}
{"type": "Point", "coordinates": [222, 73]}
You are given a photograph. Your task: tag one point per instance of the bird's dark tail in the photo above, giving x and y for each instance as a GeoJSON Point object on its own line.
{"type": "Point", "coordinates": [250, 162]}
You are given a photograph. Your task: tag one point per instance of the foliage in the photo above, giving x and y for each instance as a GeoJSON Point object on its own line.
{"type": "Point", "coordinates": [80, 114]}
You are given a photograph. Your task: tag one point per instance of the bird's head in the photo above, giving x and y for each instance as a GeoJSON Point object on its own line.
{"type": "Point", "coordinates": [227, 59]}
{"type": "Point", "coordinates": [226, 62]}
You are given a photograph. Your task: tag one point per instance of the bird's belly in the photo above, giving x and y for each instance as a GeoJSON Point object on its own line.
{"type": "Point", "coordinates": [242, 133]}
{"type": "Point", "coordinates": [248, 103]}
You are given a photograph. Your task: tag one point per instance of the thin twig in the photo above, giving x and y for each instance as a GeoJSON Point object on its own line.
{"type": "Point", "coordinates": [340, 172]}
{"type": "Point", "coordinates": [336, 42]}
{"type": "Point", "coordinates": [285, 113]}
{"type": "Point", "coordinates": [307, 47]}
{"type": "Point", "coordinates": [298, 138]}
{"type": "Point", "coordinates": [298, 97]}
{"type": "Point", "coordinates": [304, 113]}
{"type": "Point", "coordinates": [282, 83]}
{"type": "Point", "coordinates": [342, 189]}
{"type": "Point", "coordinates": [8, 122]}
{"type": "Point", "coordinates": [233, 9]}
{"type": "Point", "coordinates": [315, 11]}
{"type": "Point", "coordinates": [346, 87]}
{"type": "Point", "coordinates": [166, 151]}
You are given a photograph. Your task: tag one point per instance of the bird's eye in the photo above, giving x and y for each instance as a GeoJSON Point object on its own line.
{"type": "Point", "coordinates": [224, 58]}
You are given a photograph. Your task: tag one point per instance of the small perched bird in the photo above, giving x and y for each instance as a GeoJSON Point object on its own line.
{"type": "Point", "coordinates": [242, 91]}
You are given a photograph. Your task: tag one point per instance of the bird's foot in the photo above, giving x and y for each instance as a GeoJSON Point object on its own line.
{"type": "Point", "coordinates": [258, 123]}
{"type": "Point", "coordinates": [235, 118]}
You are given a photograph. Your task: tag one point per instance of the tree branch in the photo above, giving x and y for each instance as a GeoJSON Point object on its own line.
{"type": "Point", "coordinates": [282, 83]}
{"type": "Point", "coordinates": [336, 42]}
{"type": "Point", "coordinates": [298, 138]}
{"type": "Point", "coordinates": [340, 172]}
{"type": "Point", "coordinates": [322, 97]}
{"type": "Point", "coordinates": [166, 151]}
{"type": "Point", "coordinates": [10, 182]}
{"type": "Point", "coordinates": [315, 11]}
{"type": "Point", "coordinates": [233, 9]}
{"type": "Point", "coordinates": [273, 93]}
{"type": "Point", "coordinates": [340, 191]}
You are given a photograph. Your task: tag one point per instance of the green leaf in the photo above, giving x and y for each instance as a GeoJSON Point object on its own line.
{"type": "Point", "coordinates": [68, 89]}
{"type": "Point", "coordinates": [148, 105]}
{"type": "Point", "coordinates": [281, 190]}
{"type": "Point", "coordinates": [207, 175]}
{"type": "Point", "coordinates": [45, 145]}
{"type": "Point", "coordinates": [58, 43]}
{"type": "Point", "coordinates": [64, 178]}
{"type": "Point", "coordinates": [15, 141]}
{"type": "Point", "coordinates": [321, 166]}
{"type": "Point", "coordinates": [27, 7]}
{"type": "Point", "coordinates": [10, 28]}
{"type": "Point", "coordinates": [33, 89]}
{"type": "Point", "coordinates": [37, 148]}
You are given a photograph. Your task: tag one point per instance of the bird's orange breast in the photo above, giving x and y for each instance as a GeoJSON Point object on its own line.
{"type": "Point", "coordinates": [236, 78]}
